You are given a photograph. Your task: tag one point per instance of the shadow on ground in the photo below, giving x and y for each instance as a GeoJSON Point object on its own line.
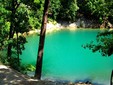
{"type": "Point", "coordinates": [9, 76]}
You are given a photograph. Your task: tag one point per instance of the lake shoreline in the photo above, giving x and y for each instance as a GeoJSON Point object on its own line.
{"type": "Point", "coordinates": [82, 69]}
{"type": "Point", "coordinates": [52, 27]}
{"type": "Point", "coordinates": [50, 82]}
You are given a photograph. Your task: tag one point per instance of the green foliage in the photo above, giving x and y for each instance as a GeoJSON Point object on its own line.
{"type": "Point", "coordinates": [25, 68]}
{"type": "Point", "coordinates": [22, 19]}
{"type": "Point", "coordinates": [55, 6]}
{"type": "Point", "coordinates": [13, 64]}
{"type": "Point", "coordinates": [30, 67]}
{"type": "Point", "coordinates": [14, 20]}
{"type": "Point", "coordinates": [61, 9]}
{"type": "Point", "coordinates": [68, 10]}
{"type": "Point", "coordinates": [21, 41]}
{"type": "Point", "coordinates": [3, 59]}
{"type": "Point", "coordinates": [104, 43]}
{"type": "Point", "coordinates": [37, 1]}
{"type": "Point", "coordinates": [21, 16]}
{"type": "Point", "coordinates": [4, 24]}
{"type": "Point", "coordinates": [52, 21]}
{"type": "Point", "coordinates": [35, 13]}
{"type": "Point", "coordinates": [18, 16]}
{"type": "Point", "coordinates": [99, 9]}
{"type": "Point", "coordinates": [24, 15]}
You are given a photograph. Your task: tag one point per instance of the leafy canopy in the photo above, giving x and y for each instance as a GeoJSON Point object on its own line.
{"type": "Point", "coordinates": [104, 43]}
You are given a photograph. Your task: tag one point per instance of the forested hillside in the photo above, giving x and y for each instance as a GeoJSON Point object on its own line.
{"type": "Point", "coordinates": [69, 10]}
{"type": "Point", "coordinates": [20, 16]}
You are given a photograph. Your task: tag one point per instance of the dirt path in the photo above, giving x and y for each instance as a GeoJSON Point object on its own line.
{"type": "Point", "coordinates": [9, 76]}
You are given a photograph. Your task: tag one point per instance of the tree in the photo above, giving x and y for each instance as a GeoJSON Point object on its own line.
{"type": "Point", "coordinates": [41, 41]}
{"type": "Point", "coordinates": [18, 24]}
{"type": "Point", "coordinates": [68, 10]}
{"type": "Point", "coordinates": [35, 12]}
{"type": "Point", "coordinates": [18, 17]}
{"type": "Point", "coordinates": [13, 8]}
{"type": "Point", "coordinates": [104, 43]}
{"type": "Point", "coordinates": [54, 10]}
{"type": "Point", "coordinates": [4, 25]}
{"type": "Point", "coordinates": [100, 9]}
{"type": "Point", "coordinates": [14, 20]}
{"type": "Point", "coordinates": [111, 82]}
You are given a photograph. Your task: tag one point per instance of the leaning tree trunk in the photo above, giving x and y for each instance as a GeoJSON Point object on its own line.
{"type": "Point", "coordinates": [41, 41]}
{"type": "Point", "coordinates": [111, 80]}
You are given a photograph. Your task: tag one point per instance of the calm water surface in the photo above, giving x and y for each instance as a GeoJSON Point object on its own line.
{"type": "Point", "coordinates": [65, 59]}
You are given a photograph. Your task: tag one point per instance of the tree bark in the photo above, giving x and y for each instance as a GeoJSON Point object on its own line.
{"type": "Point", "coordinates": [18, 50]}
{"type": "Point", "coordinates": [41, 41]}
{"type": "Point", "coordinates": [111, 80]}
{"type": "Point", "coordinates": [11, 32]}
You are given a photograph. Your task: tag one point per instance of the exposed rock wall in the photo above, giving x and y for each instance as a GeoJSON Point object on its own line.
{"type": "Point", "coordinates": [80, 23]}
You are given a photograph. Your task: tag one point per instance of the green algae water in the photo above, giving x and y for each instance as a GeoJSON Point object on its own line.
{"type": "Point", "coordinates": [66, 60]}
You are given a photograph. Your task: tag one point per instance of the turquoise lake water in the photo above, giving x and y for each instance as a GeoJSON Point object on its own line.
{"type": "Point", "coordinates": [65, 60]}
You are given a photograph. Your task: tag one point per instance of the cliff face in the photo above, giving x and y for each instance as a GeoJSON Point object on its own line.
{"type": "Point", "coordinates": [83, 22]}
{"type": "Point", "coordinates": [80, 23]}
{"type": "Point", "coordinates": [87, 23]}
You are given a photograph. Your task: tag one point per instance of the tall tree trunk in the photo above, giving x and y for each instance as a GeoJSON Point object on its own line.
{"type": "Point", "coordinates": [18, 50]}
{"type": "Point", "coordinates": [111, 80]}
{"type": "Point", "coordinates": [41, 41]}
{"type": "Point", "coordinates": [11, 32]}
